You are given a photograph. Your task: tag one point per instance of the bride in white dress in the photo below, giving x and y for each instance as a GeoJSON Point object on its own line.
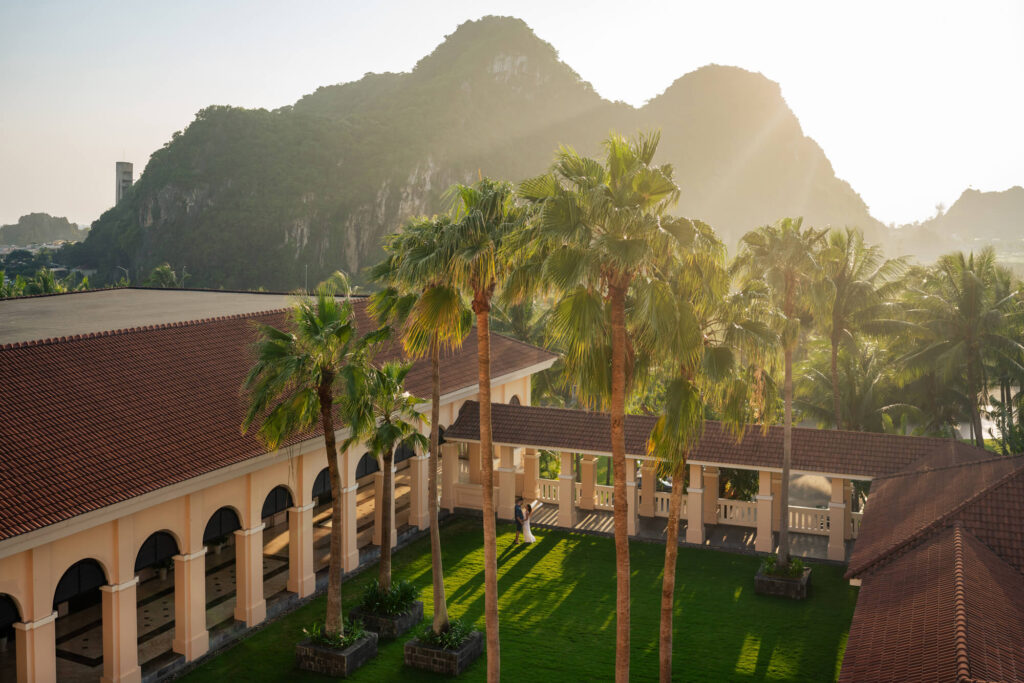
{"type": "Point", "coordinates": [528, 536]}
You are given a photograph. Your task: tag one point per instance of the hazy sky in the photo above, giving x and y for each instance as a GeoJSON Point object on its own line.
{"type": "Point", "coordinates": [912, 101]}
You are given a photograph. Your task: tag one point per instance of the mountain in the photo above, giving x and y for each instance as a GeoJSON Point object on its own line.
{"type": "Point", "coordinates": [39, 228]}
{"type": "Point", "coordinates": [974, 220]}
{"type": "Point", "coordinates": [245, 198]}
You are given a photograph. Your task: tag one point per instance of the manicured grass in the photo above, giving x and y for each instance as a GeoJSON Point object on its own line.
{"type": "Point", "coordinates": [557, 605]}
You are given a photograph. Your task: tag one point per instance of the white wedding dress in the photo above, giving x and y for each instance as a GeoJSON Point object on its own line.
{"type": "Point", "coordinates": [528, 536]}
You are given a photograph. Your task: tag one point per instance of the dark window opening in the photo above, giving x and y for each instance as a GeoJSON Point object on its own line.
{"type": "Point", "coordinates": [277, 500]}
{"type": "Point", "coordinates": [224, 522]}
{"type": "Point", "coordinates": [367, 466]}
{"type": "Point", "coordinates": [158, 548]}
{"type": "Point", "coordinates": [322, 486]}
{"type": "Point", "coordinates": [80, 585]}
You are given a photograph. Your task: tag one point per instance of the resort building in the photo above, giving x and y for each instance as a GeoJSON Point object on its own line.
{"type": "Point", "coordinates": [139, 528]}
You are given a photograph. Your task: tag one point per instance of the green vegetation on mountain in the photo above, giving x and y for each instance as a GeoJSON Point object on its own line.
{"type": "Point", "coordinates": [40, 228]}
{"type": "Point", "coordinates": [244, 198]}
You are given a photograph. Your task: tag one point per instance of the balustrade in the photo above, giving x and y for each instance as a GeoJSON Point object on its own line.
{"type": "Point", "coordinates": [737, 512]}
{"type": "Point", "coordinates": [548, 490]}
{"type": "Point", "coordinates": [808, 520]}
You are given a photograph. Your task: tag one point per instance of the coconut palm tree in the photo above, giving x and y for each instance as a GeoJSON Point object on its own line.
{"type": "Point", "coordinates": [382, 414]}
{"type": "Point", "coordinates": [431, 315]}
{"type": "Point", "coordinates": [291, 386]}
{"type": "Point", "coordinates": [784, 258]}
{"type": "Point", "coordinates": [856, 293]}
{"type": "Point", "coordinates": [598, 230]}
{"type": "Point", "coordinates": [486, 216]}
{"type": "Point", "coordinates": [963, 320]}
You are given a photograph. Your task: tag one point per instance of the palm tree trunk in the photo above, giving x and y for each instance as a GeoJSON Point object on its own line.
{"type": "Point", "coordinates": [835, 383]}
{"type": "Point", "coordinates": [974, 392]}
{"type": "Point", "coordinates": [385, 519]}
{"type": "Point", "coordinates": [668, 581]}
{"type": "Point", "coordinates": [617, 295]}
{"type": "Point", "coordinates": [440, 603]}
{"type": "Point", "coordinates": [482, 307]}
{"type": "Point", "coordinates": [787, 460]}
{"type": "Point", "coordinates": [334, 622]}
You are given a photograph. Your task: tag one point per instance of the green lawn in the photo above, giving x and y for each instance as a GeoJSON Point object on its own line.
{"type": "Point", "coordinates": [557, 602]}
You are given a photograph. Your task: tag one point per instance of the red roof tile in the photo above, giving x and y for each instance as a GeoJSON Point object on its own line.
{"type": "Point", "coordinates": [101, 418]}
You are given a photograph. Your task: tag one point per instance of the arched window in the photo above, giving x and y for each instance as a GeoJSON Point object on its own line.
{"type": "Point", "coordinates": [367, 466]}
{"type": "Point", "coordinates": [80, 584]}
{"type": "Point", "coordinates": [223, 522]}
{"type": "Point", "coordinates": [277, 500]}
{"type": "Point", "coordinates": [514, 401]}
{"type": "Point", "coordinates": [404, 452]}
{"type": "Point", "coordinates": [322, 486]}
{"type": "Point", "coordinates": [8, 616]}
{"type": "Point", "coordinates": [158, 548]}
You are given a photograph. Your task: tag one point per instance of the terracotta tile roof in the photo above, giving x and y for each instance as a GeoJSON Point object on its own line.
{"type": "Point", "coordinates": [97, 419]}
{"type": "Point", "coordinates": [946, 610]}
{"type": "Point", "coordinates": [904, 508]}
{"type": "Point", "coordinates": [858, 454]}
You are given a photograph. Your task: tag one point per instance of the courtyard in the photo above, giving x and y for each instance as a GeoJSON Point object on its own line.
{"type": "Point", "coordinates": [557, 606]}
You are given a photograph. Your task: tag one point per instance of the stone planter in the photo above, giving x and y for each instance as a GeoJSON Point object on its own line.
{"type": "Point", "coordinates": [310, 656]}
{"type": "Point", "coordinates": [794, 588]}
{"type": "Point", "coordinates": [420, 655]}
{"type": "Point", "coordinates": [386, 626]}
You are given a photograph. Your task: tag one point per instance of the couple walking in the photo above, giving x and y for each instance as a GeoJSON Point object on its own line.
{"type": "Point", "coordinates": [523, 521]}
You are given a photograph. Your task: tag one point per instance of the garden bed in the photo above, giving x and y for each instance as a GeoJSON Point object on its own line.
{"type": "Point", "coordinates": [389, 627]}
{"type": "Point", "coordinates": [427, 657]}
{"type": "Point", "coordinates": [329, 661]}
{"type": "Point", "coordinates": [792, 587]}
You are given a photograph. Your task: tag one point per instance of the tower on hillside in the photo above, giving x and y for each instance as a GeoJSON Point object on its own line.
{"type": "Point", "coordinates": [123, 171]}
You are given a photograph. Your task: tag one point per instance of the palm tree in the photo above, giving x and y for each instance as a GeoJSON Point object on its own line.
{"type": "Point", "coordinates": [486, 216]}
{"type": "Point", "coordinates": [599, 229]}
{"type": "Point", "coordinates": [783, 257]}
{"type": "Point", "coordinates": [164, 277]}
{"type": "Point", "coordinates": [383, 415]}
{"type": "Point", "coordinates": [432, 317]}
{"type": "Point", "coordinates": [856, 293]}
{"type": "Point", "coordinates": [292, 385]}
{"type": "Point", "coordinates": [962, 317]}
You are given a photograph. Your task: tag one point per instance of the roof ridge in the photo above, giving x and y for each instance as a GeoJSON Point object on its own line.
{"type": "Point", "coordinates": [963, 671]}
{"type": "Point", "coordinates": [129, 330]}
{"type": "Point", "coordinates": [924, 532]}
{"type": "Point", "coordinates": [942, 468]}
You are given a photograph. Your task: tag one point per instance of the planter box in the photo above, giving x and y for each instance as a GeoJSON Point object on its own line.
{"type": "Point", "coordinates": [320, 659]}
{"type": "Point", "coordinates": [386, 626]}
{"type": "Point", "coordinates": [420, 655]}
{"type": "Point", "coordinates": [794, 588]}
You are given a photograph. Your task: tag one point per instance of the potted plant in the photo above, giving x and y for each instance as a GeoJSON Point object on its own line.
{"type": "Point", "coordinates": [449, 652]}
{"type": "Point", "coordinates": [789, 581]}
{"type": "Point", "coordinates": [389, 612]}
{"type": "Point", "coordinates": [334, 654]}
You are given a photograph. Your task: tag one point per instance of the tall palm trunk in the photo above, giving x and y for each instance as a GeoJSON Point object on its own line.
{"type": "Point", "coordinates": [835, 382]}
{"type": "Point", "coordinates": [668, 581]}
{"type": "Point", "coordinates": [440, 604]}
{"type": "Point", "coordinates": [787, 459]}
{"type": "Point", "coordinates": [481, 306]}
{"type": "Point", "coordinates": [974, 392]}
{"type": "Point", "coordinates": [334, 623]}
{"type": "Point", "coordinates": [385, 520]}
{"type": "Point", "coordinates": [617, 295]}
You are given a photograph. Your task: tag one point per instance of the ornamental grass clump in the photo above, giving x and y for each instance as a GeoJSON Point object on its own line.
{"type": "Point", "coordinates": [450, 638]}
{"type": "Point", "coordinates": [391, 602]}
{"type": "Point", "coordinates": [771, 567]}
{"type": "Point", "coordinates": [339, 641]}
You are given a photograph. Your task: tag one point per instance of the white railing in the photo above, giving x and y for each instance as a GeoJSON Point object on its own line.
{"type": "Point", "coordinates": [548, 489]}
{"type": "Point", "coordinates": [737, 512]}
{"type": "Point", "coordinates": [808, 520]}
{"type": "Point", "coordinates": [855, 520]}
{"type": "Point", "coordinates": [469, 496]}
{"type": "Point", "coordinates": [579, 492]}
{"type": "Point", "coordinates": [661, 501]}
{"type": "Point", "coordinates": [463, 471]}
{"type": "Point", "coordinates": [604, 497]}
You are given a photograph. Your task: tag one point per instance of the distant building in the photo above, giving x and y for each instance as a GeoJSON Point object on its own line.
{"type": "Point", "coordinates": [124, 179]}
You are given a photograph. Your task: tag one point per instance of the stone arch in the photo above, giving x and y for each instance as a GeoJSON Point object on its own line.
{"type": "Point", "coordinates": [322, 485]}
{"type": "Point", "coordinates": [81, 577]}
{"type": "Point", "coordinates": [368, 464]}
{"type": "Point", "coordinates": [221, 523]}
{"type": "Point", "coordinates": [10, 611]}
{"type": "Point", "coordinates": [277, 500]}
{"type": "Point", "coordinates": [158, 547]}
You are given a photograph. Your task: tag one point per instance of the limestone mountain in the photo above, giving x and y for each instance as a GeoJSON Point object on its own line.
{"type": "Point", "coordinates": [247, 198]}
{"type": "Point", "coordinates": [38, 228]}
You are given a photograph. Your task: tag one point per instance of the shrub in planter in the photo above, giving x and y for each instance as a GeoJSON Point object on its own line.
{"type": "Point", "coordinates": [449, 652]}
{"type": "Point", "coordinates": [334, 655]}
{"type": "Point", "coordinates": [791, 581]}
{"type": "Point", "coordinates": [389, 613]}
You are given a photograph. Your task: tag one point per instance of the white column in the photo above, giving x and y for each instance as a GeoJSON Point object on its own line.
{"type": "Point", "coordinates": [764, 542]}
{"type": "Point", "coordinates": [419, 493]}
{"type": "Point", "coordinates": [190, 635]}
{"type": "Point", "coordinates": [35, 646]}
{"type": "Point", "coordinates": [587, 465]}
{"type": "Point", "coordinates": [449, 475]}
{"type": "Point", "coordinates": [632, 502]}
{"type": "Point", "coordinates": [475, 471]}
{"type": "Point", "coordinates": [695, 506]}
{"type": "Point", "coordinates": [837, 522]}
{"type": "Point", "coordinates": [506, 481]}
{"type": "Point", "coordinates": [711, 495]}
{"type": "Point", "coordinates": [250, 606]}
{"type": "Point", "coordinates": [301, 574]}
{"type": "Point", "coordinates": [649, 470]}
{"type": "Point", "coordinates": [531, 474]}
{"type": "Point", "coordinates": [120, 633]}
{"type": "Point", "coordinates": [566, 491]}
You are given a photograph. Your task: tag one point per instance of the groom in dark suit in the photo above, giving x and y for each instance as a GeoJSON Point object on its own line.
{"type": "Point", "coordinates": [520, 518]}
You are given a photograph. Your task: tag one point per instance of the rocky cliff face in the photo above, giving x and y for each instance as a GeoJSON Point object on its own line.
{"type": "Point", "coordinates": [248, 198]}
{"type": "Point", "coordinates": [38, 228]}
